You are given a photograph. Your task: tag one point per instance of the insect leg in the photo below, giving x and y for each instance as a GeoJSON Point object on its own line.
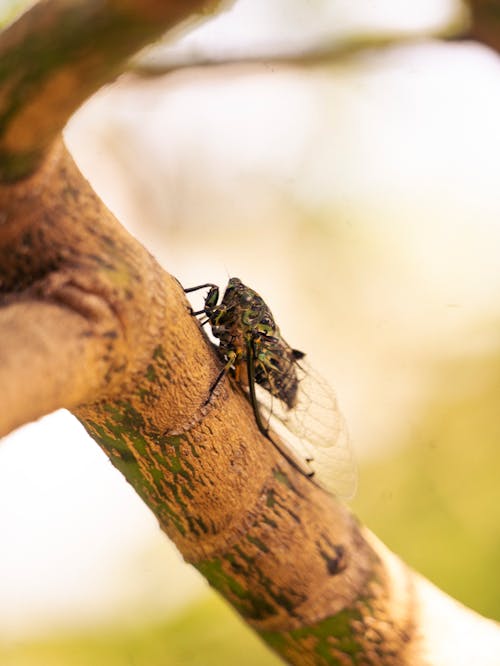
{"type": "Point", "coordinates": [251, 387]}
{"type": "Point", "coordinates": [230, 362]}
{"type": "Point", "coordinates": [201, 286]}
{"type": "Point", "coordinates": [210, 299]}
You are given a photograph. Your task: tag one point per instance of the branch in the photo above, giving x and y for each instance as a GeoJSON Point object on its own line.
{"type": "Point", "coordinates": [57, 54]}
{"type": "Point", "coordinates": [152, 65]}
{"type": "Point", "coordinates": [160, 62]}
{"type": "Point", "coordinates": [65, 259]}
{"type": "Point", "coordinates": [485, 22]}
{"type": "Point", "coordinates": [49, 358]}
{"type": "Point", "coordinates": [284, 553]}
{"type": "Point", "coordinates": [52, 262]}
{"type": "Point", "coordinates": [291, 559]}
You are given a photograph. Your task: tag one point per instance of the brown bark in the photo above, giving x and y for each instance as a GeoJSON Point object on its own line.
{"type": "Point", "coordinates": [485, 22]}
{"type": "Point", "coordinates": [89, 321]}
{"type": "Point", "coordinates": [66, 261]}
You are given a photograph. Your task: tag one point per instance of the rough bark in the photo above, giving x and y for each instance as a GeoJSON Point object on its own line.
{"type": "Point", "coordinates": [90, 321]}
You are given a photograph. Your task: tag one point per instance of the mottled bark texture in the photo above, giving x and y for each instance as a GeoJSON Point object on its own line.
{"type": "Point", "coordinates": [91, 322]}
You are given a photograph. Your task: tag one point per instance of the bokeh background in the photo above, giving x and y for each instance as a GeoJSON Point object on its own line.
{"type": "Point", "coordinates": [360, 195]}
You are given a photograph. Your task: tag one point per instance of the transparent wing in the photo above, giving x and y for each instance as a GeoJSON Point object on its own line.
{"type": "Point", "coordinates": [315, 430]}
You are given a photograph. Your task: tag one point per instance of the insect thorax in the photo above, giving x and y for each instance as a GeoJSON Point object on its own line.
{"type": "Point", "coordinates": [244, 325]}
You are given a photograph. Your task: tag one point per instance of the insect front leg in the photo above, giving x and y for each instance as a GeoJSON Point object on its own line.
{"type": "Point", "coordinates": [202, 286]}
{"type": "Point", "coordinates": [210, 299]}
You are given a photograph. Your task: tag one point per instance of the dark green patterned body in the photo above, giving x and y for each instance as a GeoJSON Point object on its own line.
{"type": "Point", "coordinates": [254, 351]}
{"type": "Point", "coordinates": [250, 338]}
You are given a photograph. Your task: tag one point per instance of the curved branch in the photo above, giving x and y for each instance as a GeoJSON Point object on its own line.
{"type": "Point", "coordinates": [303, 54]}
{"type": "Point", "coordinates": [76, 291]}
{"type": "Point", "coordinates": [281, 550]}
{"type": "Point", "coordinates": [57, 54]}
{"type": "Point", "coordinates": [49, 358]}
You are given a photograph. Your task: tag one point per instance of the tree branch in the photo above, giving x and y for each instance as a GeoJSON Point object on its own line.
{"type": "Point", "coordinates": [58, 53]}
{"type": "Point", "coordinates": [284, 553]}
{"type": "Point", "coordinates": [152, 65]}
{"type": "Point", "coordinates": [485, 19]}
{"type": "Point", "coordinates": [291, 559]}
{"type": "Point", "coordinates": [64, 258]}
{"type": "Point", "coordinates": [160, 62]}
{"type": "Point", "coordinates": [38, 339]}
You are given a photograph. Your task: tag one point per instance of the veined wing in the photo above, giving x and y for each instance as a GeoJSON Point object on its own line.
{"type": "Point", "coordinates": [315, 430]}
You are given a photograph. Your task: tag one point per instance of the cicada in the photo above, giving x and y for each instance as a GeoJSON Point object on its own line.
{"type": "Point", "coordinates": [282, 389]}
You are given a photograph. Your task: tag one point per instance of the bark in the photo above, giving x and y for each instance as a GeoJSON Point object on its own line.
{"type": "Point", "coordinates": [485, 22]}
{"type": "Point", "coordinates": [91, 322]}
{"type": "Point", "coordinates": [58, 53]}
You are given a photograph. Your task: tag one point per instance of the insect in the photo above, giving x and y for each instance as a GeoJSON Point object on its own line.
{"type": "Point", "coordinates": [282, 389]}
